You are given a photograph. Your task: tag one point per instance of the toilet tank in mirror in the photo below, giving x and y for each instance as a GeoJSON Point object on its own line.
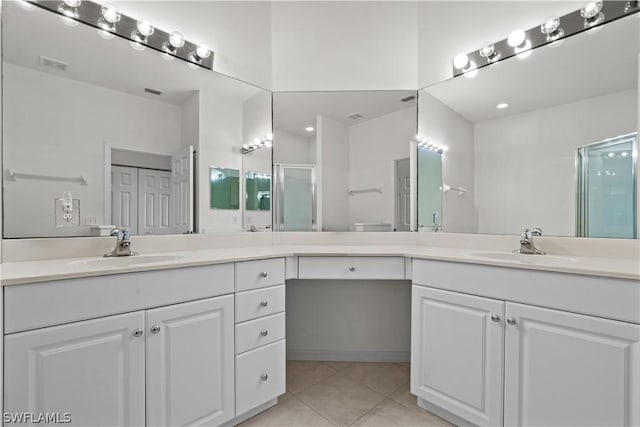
{"type": "Point", "coordinates": [547, 139]}
{"type": "Point", "coordinates": [99, 134]}
{"type": "Point", "coordinates": [342, 160]}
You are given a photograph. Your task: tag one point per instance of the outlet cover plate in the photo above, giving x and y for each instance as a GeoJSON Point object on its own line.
{"type": "Point", "coordinates": [61, 221]}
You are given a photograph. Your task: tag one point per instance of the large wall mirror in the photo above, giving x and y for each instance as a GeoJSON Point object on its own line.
{"type": "Point", "coordinates": [99, 134]}
{"type": "Point", "coordinates": [341, 160]}
{"type": "Point", "coordinates": [548, 139]}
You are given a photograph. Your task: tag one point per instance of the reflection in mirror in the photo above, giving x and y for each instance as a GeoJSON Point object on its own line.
{"type": "Point", "coordinates": [548, 141]}
{"type": "Point", "coordinates": [430, 189]}
{"type": "Point", "coordinates": [341, 160]}
{"type": "Point", "coordinates": [99, 135]}
{"type": "Point", "coordinates": [258, 191]}
{"type": "Point", "coordinates": [224, 188]}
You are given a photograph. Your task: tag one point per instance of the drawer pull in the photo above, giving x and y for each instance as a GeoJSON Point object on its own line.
{"type": "Point", "coordinates": [264, 332]}
{"type": "Point", "coordinates": [264, 303]}
{"type": "Point", "coordinates": [155, 329]}
{"type": "Point", "coordinates": [138, 333]}
{"type": "Point", "coordinates": [264, 377]}
{"type": "Point", "coordinates": [495, 317]}
{"type": "Point", "coordinates": [511, 320]}
{"type": "Point", "coordinates": [263, 274]}
{"type": "Point", "coordinates": [352, 268]}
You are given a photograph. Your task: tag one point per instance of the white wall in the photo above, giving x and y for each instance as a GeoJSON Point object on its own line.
{"type": "Point", "coordinates": [69, 141]}
{"type": "Point", "coordinates": [349, 320]}
{"type": "Point", "coordinates": [447, 28]}
{"type": "Point", "coordinates": [238, 31]}
{"type": "Point", "coordinates": [256, 123]}
{"type": "Point", "coordinates": [221, 137]}
{"type": "Point", "coordinates": [333, 173]}
{"type": "Point", "coordinates": [442, 124]}
{"type": "Point", "coordinates": [374, 145]}
{"type": "Point", "coordinates": [347, 45]}
{"type": "Point", "coordinates": [525, 164]}
{"type": "Point", "coordinates": [293, 149]}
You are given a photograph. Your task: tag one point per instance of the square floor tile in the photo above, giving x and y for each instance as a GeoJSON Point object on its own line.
{"type": "Point", "coordinates": [390, 414]}
{"type": "Point", "coordinates": [384, 378]}
{"type": "Point", "coordinates": [303, 374]}
{"type": "Point", "coordinates": [291, 412]}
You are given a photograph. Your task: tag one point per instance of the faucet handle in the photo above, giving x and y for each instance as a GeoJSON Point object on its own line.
{"type": "Point", "coordinates": [126, 234]}
{"type": "Point", "coordinates": [536, 231]}
{"type": "Point", "coordinates": [115, 233]}
{"type": "Point", "coordinates": [526, 234]}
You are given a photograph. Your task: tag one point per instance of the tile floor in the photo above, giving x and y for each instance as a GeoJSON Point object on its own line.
{"type": "Point", "coordinates": [344, 394]}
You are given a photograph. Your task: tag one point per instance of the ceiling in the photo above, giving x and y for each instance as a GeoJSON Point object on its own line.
{"type": "Point", "coordinates": [584, 66]}
{"type": "Point", "coordinates": [294, 111]}
{"type": "Point", "coordinates": [114, 64]}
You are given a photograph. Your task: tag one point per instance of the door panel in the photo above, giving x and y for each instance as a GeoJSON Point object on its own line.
{"type": "Point", "coordinates": [566, 369]}
{"type": "Point", "coordinates": [403, 195]}
{"type": "Point", "coordinates": [190, 363]}
{"type": "Point", "coordinates": [124, 198]}
{"type": "Point", "coordinates": [154, 196]}
{"type": "Point", "coordinates": [182, 191]}
{"type": "Point", "coordinates": [93, 370]}
{"type": "Point", "coordinates": [457, 353]}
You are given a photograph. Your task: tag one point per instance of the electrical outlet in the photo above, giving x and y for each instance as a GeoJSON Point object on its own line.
{"type": "Point", "coordinates": [88, 221]}
{"type": "Point", "coordinates": [67, 219]}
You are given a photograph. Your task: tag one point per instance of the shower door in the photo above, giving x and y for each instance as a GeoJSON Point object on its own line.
{"type": "Point", "coordinates": [606, 188]}
{"type": "Point", "coordinates": [295, 197]}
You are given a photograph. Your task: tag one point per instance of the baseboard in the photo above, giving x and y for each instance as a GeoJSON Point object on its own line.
{"type": "Point", "coordinates": [349, 356]}
{"type": "Point", "coordinates": [444, 414]}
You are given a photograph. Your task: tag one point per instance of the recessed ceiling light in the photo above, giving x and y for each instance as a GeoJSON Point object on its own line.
{"type": "Point", "coordinates": [309, 129]}
{"type": "Point", "coordinates": [502, 105]}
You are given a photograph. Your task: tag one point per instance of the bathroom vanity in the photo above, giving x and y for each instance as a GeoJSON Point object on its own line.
{"type": "Point", "coordinates": [200, 339]}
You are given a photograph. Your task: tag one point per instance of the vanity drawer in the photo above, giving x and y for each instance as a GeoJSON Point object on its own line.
{"type": "Point", "coordinates": [259, 303]}
{"type": "Point", "coordinates": [348, 267]}
{"type": "Point", "coordinates": [259, 274]}
{"type": "Point", "coordinates": [259, 332]}
{"type": "Point", "coordinates": [260, 376]}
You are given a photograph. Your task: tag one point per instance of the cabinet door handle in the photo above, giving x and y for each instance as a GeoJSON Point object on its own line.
{"type": "Point", "coordinates": [264, 332]}
{"type": "Point", "coordinates": [495, 317]}
{"type": "Point", "coordinates": [264, 303]}
{"type": "Point", "coordinates": [352, 268]}
{"type": "Point", "coordinates": [138, 332]}
{"type": "Point", "coordinates": [155, 329]}
{"type": "Point", "coordinates": [511, 320]}
{"type": "Point", "coordinates": [264, 377]}
{"type": "Point", "coordinates": [263, 274]}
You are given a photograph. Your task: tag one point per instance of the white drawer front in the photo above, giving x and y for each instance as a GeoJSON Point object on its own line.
{"type": "Point", "coordinates": [260, 376]}
{"type": "Point", "coordinates": [347, 267]}
{"type": "Point", "coordinates": [259, 274]}
{"type": "Point", "coordinates": [259, 332]}
{"type": "Point", "coordinates": [259, 303]}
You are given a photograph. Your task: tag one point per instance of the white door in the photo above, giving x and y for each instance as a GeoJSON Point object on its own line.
{"type": "Point", "coordinates": [124, 198]}
{"type": "Point", "coordinates": [93, 370]}
{"type": "Point", "coordinates": [190, 363]}
{"type": "Point", "coordinates": [457, 353]}
{"type": "Point", "coordinates": [403, 195]}
{"type": "Point", "coordinates": [182, 191]}
{"type": "Point", "coordinates": [154, 195]}
{"type": "Point", "coordinates": [566, 369]}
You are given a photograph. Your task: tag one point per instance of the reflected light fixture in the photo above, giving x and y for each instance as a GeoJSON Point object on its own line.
{"type": "Point", "coordinates": [171, 46]}
{"type": "Point", "coordinates": [428, 144]}
{"type": "Point", "coordinates": [552, 30]}
{"type": "Point", "coordinates": [140, 35]}
{"type": "Point", "coordinates": [265, 142]}
{"type": "Point", "coordinates": [201, 52]}
{"type": "Point", "coordinates": [520, 44]}
{"type": "Point", "coordinates": [309, 128]}
{"type": "Point", "coordinates": [592, 13]}
{"type": "Point", "coordinates": [502, 106]}
{"type": "Point", "coordinates": [488, 51]}
{"type": "Point", "coordinates": [107, 23]}
{"type": "Point", "coordinates": [69, 11]}
{"type": "Point", "coordinates": [468, 68]}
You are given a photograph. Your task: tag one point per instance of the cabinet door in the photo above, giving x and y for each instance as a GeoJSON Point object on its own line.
{"type": "Point", "coordinates": [566, 369]}
{"type": "Point", "coordinates": [457, 353]}
{"type": "Point", "coordinates": [190, 363]}
{"type": "Point", "coordinates": [92, 370]}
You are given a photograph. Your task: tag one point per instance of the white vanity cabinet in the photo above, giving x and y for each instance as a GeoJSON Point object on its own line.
{"type": "Point", "coordinates": [558, 368]}
{"type": "Point", "coordinates": [165, 365]}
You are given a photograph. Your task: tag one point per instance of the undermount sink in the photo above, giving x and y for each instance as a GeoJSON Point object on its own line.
{"type": "Point", "coordinates": [524, 258]}
{"type": "Point", "coordinates": [127, 261]}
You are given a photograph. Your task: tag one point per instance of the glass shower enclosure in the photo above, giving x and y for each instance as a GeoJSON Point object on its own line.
{"type": "Point", "coordinates": [295, 197]}
{"type": "Point", "coordinates": [606, 204]}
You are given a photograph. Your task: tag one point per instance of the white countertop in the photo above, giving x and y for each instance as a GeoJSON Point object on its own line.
{"type": "Point", "coordinates": [39, 271]}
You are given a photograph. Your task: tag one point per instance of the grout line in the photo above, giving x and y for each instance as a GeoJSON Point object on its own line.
{"type": "Point", "coordinates": [313, 409]}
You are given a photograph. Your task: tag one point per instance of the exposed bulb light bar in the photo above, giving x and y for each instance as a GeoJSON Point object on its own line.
{"type": "Point", "coordinates": [265, 142]}
{"type": "Point", "coordinates": [428, 144]}
{"type": "Point", "coordinates": [109, 22]}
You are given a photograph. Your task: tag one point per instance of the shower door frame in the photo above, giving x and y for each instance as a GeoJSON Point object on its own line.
{"type": "Point", "coordinates": [278, 187]}
{"type": "Point", "coordinates": [582, 181]}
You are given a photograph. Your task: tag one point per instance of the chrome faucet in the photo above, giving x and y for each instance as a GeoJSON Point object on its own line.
{"type": "Point", "coordinates": [527, 245]}
{"type": "Point", "coordinates": [123, 244]}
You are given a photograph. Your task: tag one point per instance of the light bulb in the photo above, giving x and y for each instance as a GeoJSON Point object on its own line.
{"type": "Point", "coordinates": [502, 106]}
{"type": "Point", "coordinates": [550, 25]}
{"type": "Point", "coordinates": [203, 51]}
{"type": "Point", "coordinates": [591, 9]}
{"type": "Point", "coordinates": [110, 14]}
{"type": "Point", "coordinates": [471, 71]}
{"type": "Point", "coordinates": [176, 39]}
{"type": "Point", "coordinates": [256, 141]}
{"type": "Point", "coordinates": [269, 136]}
{"type": "Point", "coordinates": [72, 3]}
{"type": "Point", "coordinates": [309, 128]}
{"type": "Point", "coordinates": [144, 28]}
{"type": "Point", "coordinates": [460, 61]}
{"type": "Point", "coordinates": [516, 38]}
{"type": "Point", "coordinates": [524, 51]}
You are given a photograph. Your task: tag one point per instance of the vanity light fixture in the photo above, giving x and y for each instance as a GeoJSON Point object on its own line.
{"type": "Point", "coordinates": [109, 22]}
{"type": "Point", "coordinates": [552, 31]}
{"type": "Point", "coordinates": [309, 128]}
{"type": "Point", "coordinates": [265, 142]}
{"type": "Point", "coordinates": [428, 144]}
{"type": "Point", "coordinates": [502, 106]}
